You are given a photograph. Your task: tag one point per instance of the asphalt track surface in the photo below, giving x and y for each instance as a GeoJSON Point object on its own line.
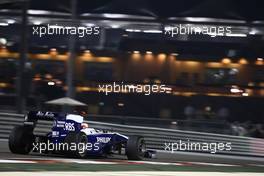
{"type": "Point", "coordinates": [162, 156]}
{"type": "Point", "coordinates": [177, 161]}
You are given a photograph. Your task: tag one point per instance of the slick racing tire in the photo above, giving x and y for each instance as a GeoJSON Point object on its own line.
{"type": "Point", "coordinates": [21, 139]}
{"type": "Point", "coordinates": [76, 142]}
{"type": "Point", "coordinates": [136, 148]}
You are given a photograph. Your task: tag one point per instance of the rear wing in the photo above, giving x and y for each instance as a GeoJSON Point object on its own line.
{"type": "Point", "coordinates": [33, 116]}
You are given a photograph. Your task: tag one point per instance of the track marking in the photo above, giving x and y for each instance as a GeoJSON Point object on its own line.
{"type": "Point", "coordinates": [93, 162]}
{"type": "Point", "coordinates": [116, 161]}
{"type": "Point", "coordinates": [213, 164]}
{"type": "Point", "coordinates": [155, 163]}
{"type": "Point", "coordinates": [16, 161]}
{"type": "Point", "coordinates": [257, 165]}
{"type": "Point", "coordinates": [84, 161]}
{"type": "Point", "coordinates": [144, 173]}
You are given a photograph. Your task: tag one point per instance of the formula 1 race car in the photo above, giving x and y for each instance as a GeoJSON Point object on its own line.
{"type": "Point", "coordinates": [72, 137]}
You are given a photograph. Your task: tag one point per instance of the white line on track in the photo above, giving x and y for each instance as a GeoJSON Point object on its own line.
{"type": "Point", "coordinates": [58, 160]}
{"type": "Point", "coordinates": [92, 162]}
{"type": "Point", "coordinates": [212, 164]}
{"type": "Point", "coordinates": [116, 161]}
{"type": "Point", "coordinates": [144, 173]}
{"type": "Point", "coordinates": [155, 163]}
{"type": "Point", "coordinates": [17, 161]}
{"type": "Point", "coordinates": [81, 161]}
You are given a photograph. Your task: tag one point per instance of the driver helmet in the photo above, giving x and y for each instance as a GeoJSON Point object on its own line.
{"type": "Point", "coordinates": [84, 125]}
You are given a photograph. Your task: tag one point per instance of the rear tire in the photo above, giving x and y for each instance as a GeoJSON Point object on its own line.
{"type": "Point", "coordinates": [21, 139]}
{"type": "Point", "coordinates": [136, 147]}
{"type": "Point", "coordinates": [75, 138]}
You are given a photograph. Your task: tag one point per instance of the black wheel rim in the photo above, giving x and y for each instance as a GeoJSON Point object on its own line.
{"type": "Point", "coordinates": [82, 151]}
{"type": "Point", "coordinates": [142, 147]}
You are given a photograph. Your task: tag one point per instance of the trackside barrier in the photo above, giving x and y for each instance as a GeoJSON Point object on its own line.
{"type": "Point", "coordinates": [156, 138]}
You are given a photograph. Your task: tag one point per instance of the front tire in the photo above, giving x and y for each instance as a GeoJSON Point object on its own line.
{"type": "Point", "coordinates": [21, 139]}
{"type": "Point", "coordinates": [135, 148]}
{"type": "Point", "coordinates": [79, 139]}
